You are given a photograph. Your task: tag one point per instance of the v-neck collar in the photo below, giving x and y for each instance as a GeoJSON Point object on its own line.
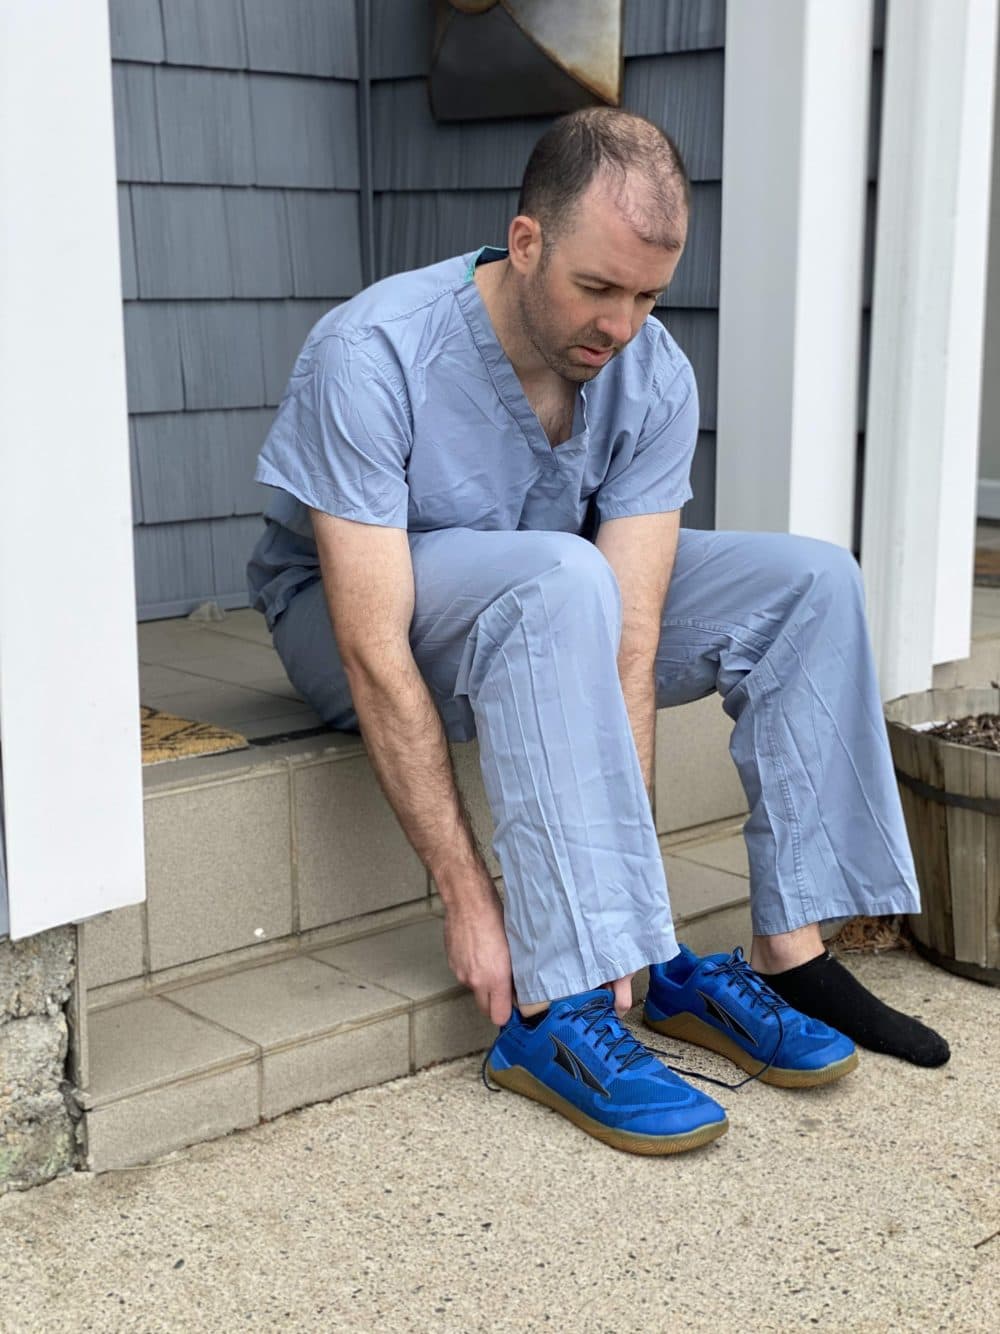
{"type": "Point", "coordinates": [502, 373]}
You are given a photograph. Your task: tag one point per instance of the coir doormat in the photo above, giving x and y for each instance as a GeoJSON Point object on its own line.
{"type": "Point", "coordinates": [166, 737]}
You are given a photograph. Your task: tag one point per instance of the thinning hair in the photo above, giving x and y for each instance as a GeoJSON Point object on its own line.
{"type": "Point", "coordinates": [629, 151]}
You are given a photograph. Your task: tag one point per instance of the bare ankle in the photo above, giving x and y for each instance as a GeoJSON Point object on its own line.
{"type": "Point", "coordinates": [778, 953]}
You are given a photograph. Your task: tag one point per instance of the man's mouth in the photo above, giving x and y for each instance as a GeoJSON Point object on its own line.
{"type": "Point", "coordinates": [595, 356]}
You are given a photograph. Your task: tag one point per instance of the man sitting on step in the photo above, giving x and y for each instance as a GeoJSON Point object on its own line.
{"type": "Point", "coordinates": [480, 468]}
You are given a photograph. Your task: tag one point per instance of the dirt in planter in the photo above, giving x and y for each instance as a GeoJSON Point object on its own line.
{"type": "Point", "coordinates": [981, 730]}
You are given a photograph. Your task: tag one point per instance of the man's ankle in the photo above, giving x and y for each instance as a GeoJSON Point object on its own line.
{"type": "Point", "coordinates": [788, 949]}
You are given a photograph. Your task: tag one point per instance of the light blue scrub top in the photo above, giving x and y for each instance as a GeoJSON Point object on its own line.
{"type": "Point", "coordinates": [403, 410]}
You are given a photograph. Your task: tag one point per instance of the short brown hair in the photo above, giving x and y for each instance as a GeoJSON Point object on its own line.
{"type": "Point", "coordinates": [606, 140]}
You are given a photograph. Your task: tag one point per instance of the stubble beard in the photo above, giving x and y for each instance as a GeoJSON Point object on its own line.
{"type": "Point", "coordinates": [536, 329]}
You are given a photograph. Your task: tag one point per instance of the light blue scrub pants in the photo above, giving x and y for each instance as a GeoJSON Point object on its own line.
{"type": "Point", "coordinates": [516, 635]}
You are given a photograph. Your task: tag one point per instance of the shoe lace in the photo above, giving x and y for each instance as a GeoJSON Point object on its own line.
{"type": "Point", "coordinates": [599, 1019]}
{"type": "Point", "coordinates": [737, 973]}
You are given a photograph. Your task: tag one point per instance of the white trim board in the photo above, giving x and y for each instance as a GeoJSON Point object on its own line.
{"type": "Point", "coordinates": [793, 207]}
{"type": "Point", "coordinates": [69, 698]}
{"type": "Point", "coordinates": [918, 526]}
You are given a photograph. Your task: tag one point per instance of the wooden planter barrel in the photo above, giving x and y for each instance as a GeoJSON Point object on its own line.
{"type": "Point", "coordinates": [951, 800]}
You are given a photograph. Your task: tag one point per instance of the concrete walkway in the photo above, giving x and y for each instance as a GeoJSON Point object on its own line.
{"type": "Point", "coordinates": [429, 1204]}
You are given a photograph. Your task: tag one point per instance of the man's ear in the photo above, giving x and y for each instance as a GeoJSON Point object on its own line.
{"type": "Point", "coordinates": [524, 243]}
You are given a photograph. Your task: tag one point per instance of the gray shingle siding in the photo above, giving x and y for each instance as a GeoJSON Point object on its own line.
{"type": "Point", "coordinates": [221, 354]}
{"type": "Point", "coordinates": [199, 465]}
{"type": "Point", "coordinates": [173, 566]}
{"type": "Point", "coordinates": [402, 37]}
{"type": "Point", "coordinates": [304, 36]}
{"type": "Point", "coordinates": [152, 357]}
{"type": "Point", "coordinates": [257, 231]}
{"type": "Point", "coordinates": [696, 282]}
{"type": "Point", "coordinates": [319, 268]}
{"type": "Point", "coordinates": [137, 144]}
{"type": "Point", "coordinates": [182, 248]}
{"type": "Point", "coordinates": [126, 245]}
{"type": "Point", "coordinates": [663, 27]}
{"type": "Point", "coordinates": [305, 132]}
{"type": "Point", "coordinates": [205, 32]}
{"type": "Point", "coordinates": [236, 134]}
{"type": "Point", "coordinates": [204, 123]}
{"type": "Point", "coordinates": [136, 30]}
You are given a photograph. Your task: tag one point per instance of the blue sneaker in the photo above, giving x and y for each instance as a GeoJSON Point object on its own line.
{"type": "Point", "coordinates": [580, 1060]}
{"type": "Point", "coordinates": [719, 1002]}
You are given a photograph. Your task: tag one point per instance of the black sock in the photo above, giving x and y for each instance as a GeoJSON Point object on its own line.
{"type": "Point", "coordinates": [533, 1020]}
{"type": "Point", "coordinates": [824, 989]}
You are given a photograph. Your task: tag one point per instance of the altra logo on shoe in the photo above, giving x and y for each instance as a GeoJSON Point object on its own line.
{"type": "Point", "coordinates": [725, 1018]}
{"type": "Point", "coordinates": [576, 1068]}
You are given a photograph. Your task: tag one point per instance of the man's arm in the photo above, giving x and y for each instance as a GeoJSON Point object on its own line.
{"type": "Point", "coordinates": [641, 550]}
{"type": "Point", "coordinates": [368, 581]}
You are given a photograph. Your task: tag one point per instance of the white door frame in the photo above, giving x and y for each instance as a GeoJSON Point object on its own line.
{"type": "Point", "coordinates": [922, 438]}
{"type": "Point", "coordinates": [69, 700]}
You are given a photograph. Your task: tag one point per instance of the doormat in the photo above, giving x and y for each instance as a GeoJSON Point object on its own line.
{"type": "Point", "coordinates": [987, 570]}
{"type": "Point", "coordinates": [167, 737]}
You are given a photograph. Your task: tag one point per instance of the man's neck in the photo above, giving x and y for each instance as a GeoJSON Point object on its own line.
{"type": "Point", "coordinates": [496, 287]}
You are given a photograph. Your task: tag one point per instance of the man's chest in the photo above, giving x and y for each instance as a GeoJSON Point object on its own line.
{"type": "Point", "coordinates": [555, 412]}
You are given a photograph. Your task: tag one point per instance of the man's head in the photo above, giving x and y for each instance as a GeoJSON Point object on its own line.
{"type": "Point", "coordinates": [602, 220]}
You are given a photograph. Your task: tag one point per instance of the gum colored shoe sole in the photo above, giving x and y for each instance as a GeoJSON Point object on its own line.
{"type": "Point", "coordinates": [519, 1080]}
{"type": "Point", "coordinates": [690, 1028]}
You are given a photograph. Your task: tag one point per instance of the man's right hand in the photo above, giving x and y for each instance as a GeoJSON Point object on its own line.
{"type": "Point", "coordinates": [478, 954]}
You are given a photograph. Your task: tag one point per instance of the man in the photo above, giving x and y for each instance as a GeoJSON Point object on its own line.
{"type": "Point", "coordinates": [480, 469]}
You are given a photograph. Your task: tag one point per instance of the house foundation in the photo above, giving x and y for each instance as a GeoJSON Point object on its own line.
{"type": "Point", "coordinates": [38, 1116]}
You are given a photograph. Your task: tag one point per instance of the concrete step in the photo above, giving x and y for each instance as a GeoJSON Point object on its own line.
{"type": "Point", "coordinates": [197, 1051]}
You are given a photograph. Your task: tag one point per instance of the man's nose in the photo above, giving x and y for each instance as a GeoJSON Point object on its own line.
{"type": "Point", "coordinates": [616, 325]}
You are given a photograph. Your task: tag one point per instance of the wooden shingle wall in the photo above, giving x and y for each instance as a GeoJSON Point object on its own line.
{"type": "Point", "coordinates": [237, 139]}
{"type": "Point", "coordinates": [441, 190]}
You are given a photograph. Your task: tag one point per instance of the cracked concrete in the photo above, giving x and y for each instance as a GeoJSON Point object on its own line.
{"type": "Point", "coordinates": [429, 1204]}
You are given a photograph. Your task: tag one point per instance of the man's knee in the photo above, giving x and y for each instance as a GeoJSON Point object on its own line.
{"type": "Point", "coordinates": [809, 564]}
{"type": "Point", "coordinates": [583, 571]}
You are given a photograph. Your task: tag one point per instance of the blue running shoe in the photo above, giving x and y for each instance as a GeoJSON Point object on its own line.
{"type": "Point", "coordinates": [580, 1060]}
{"type": "Point", "coordinates": [719, 1002]}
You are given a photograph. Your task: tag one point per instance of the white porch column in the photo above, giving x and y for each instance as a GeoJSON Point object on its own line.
{"type": "Point", "coordinates": [793, 194]}
{"type": "Point", "coordinates": [69, 707]}
{"type": "Point", "coordinates": [921, 441]}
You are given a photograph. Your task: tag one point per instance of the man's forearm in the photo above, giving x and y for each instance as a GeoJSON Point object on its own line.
{"type": "Point", "coordinates": [409, 752]}
{"type": "Point", "coordinates": [638, 687]}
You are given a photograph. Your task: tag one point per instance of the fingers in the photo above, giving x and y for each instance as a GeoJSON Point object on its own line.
{"type": "Point", "coordinates": [501, 1004]}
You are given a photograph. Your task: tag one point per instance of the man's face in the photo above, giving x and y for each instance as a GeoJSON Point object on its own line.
{"type": "Point", "coordinates": [588, 295]}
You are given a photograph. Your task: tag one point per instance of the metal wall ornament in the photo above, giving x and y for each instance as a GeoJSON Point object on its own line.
{"type": "Point", "coordinates": [501, 58]}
